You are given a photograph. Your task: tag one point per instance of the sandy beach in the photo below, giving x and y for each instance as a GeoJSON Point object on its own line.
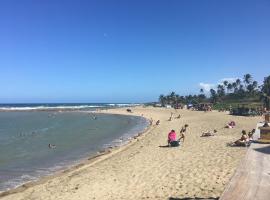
{"type": "Point", "coordinates": [143, 169]}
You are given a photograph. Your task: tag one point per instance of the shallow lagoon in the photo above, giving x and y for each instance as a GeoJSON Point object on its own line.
{"type": "Point", "coordinates": [25, 136]}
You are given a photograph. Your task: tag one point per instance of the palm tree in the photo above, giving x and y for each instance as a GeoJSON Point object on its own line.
{"type": "Point", "coordinates": [238, 82]}
{"type": "Point", "coordinates": [162, 99]}
{"type": "Point", "coordinates": [201, 90]}
{"type": "Point", "coordinates": [255, 85]}
{"type": "Point", "coordinates": [213, 96]}
{"type": "Point", "coordinates": [252, 87]}
{"type": "Point", "coordinates": [234, 85]}
{"type": "Point", "coordinates": [247, 79]}
{"type": "Point", "coordinates": [173, 98]}
{"type": "Point", "coordinates": [266, 92]}
{"type": "Point", "coordinates": [178, 99]}
{"type": "Point", "coordinates": [220, 90]}
{"type": "Point", "coordinates": [229, 87]}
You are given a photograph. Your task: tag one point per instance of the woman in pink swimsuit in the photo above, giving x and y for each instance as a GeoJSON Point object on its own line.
{"type": "Point", "coordinates": [171, 136]}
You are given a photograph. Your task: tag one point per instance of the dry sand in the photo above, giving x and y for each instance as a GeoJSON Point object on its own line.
{"type": "Point", "coordinates": [200, 167]}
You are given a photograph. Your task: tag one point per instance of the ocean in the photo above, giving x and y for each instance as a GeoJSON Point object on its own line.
{"type": "Point", "coordinates": [27, 130]}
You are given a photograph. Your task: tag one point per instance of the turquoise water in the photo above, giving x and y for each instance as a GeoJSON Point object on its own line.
{"type": "Point", "coordinates": [25, 135]}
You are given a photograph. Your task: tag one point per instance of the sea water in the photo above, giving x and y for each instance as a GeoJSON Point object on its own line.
{"type": "Point", "coordinates": [25, 136]}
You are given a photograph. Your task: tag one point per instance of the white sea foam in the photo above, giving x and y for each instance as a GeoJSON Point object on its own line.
{"type": "Point", "coordinates": [123, 104]}
{"type": "Point", "coordinates": [48, 108]}
{"type": "Point", "coordinates": [61, 107]}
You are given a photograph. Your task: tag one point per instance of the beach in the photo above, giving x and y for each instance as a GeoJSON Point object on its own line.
{"type": "Point", "coordinates": [146, 169]}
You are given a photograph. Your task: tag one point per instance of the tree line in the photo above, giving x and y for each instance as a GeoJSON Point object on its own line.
{"type": "Point", "coordinates": [245, 89]}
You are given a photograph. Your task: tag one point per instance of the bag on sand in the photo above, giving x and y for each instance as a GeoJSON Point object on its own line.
{"type": "Point", "coordinates": [174, 143]}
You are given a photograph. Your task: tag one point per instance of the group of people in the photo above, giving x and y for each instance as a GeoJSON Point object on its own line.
{"type": "Point", "coordinates": [245, 139]}
{"type": "Point", "coordinates": [172, 136]}
{"type": "Point", "coordinates": [171, 117]}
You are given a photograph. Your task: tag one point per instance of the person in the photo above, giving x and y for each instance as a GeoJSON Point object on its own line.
{"type": "Point", "coordinates": [208, 133]}
{"type": "Point", "coordinates": [250, 134]}
{"type": "Point", "coordinates": [231, 124]}
{"type": "Point", "coordinates": [171, 136]}
{"type": "Point", "coordinates": [172, 140]}
{"type": "Point", "coordinates": [243, 141]}
{"type": "Point", "coordinates": [158, 122]}
{"type": "Point", "coordinates": [178, 117]}
{"type": "Point", "coordinates": [184, 128]}
{"type": "Point", "coordinates": [170, 119]}
{"type": "Point", "coordinates": [52, 146]}
{"type": "Point", "coordinates": [183, 132]}
{"type": "Point", "coordinates": [151, 121]}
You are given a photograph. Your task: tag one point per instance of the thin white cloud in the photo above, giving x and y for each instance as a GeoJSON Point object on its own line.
{"type": "Point", "coordinates": [207, 86]}
{"type": "Point", "coordinates": [230, 80]}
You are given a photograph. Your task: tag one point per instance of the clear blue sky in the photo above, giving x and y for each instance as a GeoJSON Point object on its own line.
{"type": "Point", "coordinates": [127, 51]}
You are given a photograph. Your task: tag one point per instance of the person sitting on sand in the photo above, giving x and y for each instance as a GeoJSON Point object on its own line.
{"type": "Point", "coordinates": [178, 117]}
{"type": "Point", "coordinates": [230, 125]}
{"type": "Point", "coordinates": [171, 136]}
{"type": "Point", "coordinates": [158, 122]}
{"type": "Point", "coordinates": [243, 141]}
{"type": "Point", "coordinates": [208, 133]}
{"type": "Point", "coordinates": [151, 121]}
{"type": "Point", "coordinates": [250, 134]}
{"type": "Point", "coordinates": [172, 141]}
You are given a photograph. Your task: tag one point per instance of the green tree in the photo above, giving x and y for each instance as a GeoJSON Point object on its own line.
{"type": "Point", "coordinates": [201, 90]}
{"type": "Point", "coordinates": [213, 95]}
{"type": "Point", "coordinates": [247, 79]}
{"type": "Point", "coordinates": [220, 90]}
{"type": "Point", "coordinates": [172, 98]}
{"type": "Point", "coordinates": [266, 92]}
{"type": "Point", "coordinates": [238, 82]}
{"type": "Point", "coordinates": [162, 100]}
{"type": "Point", "coordinates": [229, 87]}
{"type": "Point", "coordinates": [234, 85]}
{"type": "Point", "coordinates": [255, 85]}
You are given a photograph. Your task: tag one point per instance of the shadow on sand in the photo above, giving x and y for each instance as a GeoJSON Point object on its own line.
{"type": "Point", "coordinates": [195, 198]}
{"type": "Point", "coordinates": [164, 146]}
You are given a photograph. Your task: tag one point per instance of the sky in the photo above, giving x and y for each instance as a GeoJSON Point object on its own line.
{"type": "Point", "coordinates": [128, 50]}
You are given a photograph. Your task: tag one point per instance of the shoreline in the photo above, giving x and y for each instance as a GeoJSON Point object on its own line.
{"type": "Point", "coordinates": [196, 173]}
{"type": "Point", "coordinates": [88, 160]}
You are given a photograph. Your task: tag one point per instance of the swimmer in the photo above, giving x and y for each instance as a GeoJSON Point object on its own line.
{"type": "Point", "coordinates": [52, 146]}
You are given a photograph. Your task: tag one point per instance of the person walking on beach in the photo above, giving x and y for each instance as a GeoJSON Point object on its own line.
{"type": "Point", "coordinates": [183, 132]}
{"type": "Point", "coordinates": [171, 117]}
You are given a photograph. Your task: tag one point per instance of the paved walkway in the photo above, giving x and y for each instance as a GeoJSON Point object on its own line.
{"type": "Point", "coordinates": [252, 178]}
